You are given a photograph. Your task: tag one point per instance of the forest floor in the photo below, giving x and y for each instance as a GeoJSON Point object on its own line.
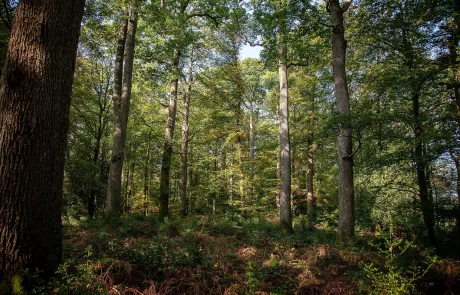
{"type": "Point", "coordinates": [235, 255]}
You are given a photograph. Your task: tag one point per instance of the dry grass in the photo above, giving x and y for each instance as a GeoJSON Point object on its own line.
{"type": "Point", "coordinates": [209, 259]}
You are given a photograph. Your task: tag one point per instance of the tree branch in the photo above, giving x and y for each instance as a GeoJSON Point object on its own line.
{"type": "Point", "coordinates": [346, 5]}
{"type": "Point", "coordinates": [214, 18]}
{"type": "Point", "coordinates": [294, 64]}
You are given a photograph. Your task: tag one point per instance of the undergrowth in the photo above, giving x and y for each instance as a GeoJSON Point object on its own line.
{"type": "Point", "coordinates": [231, 254]}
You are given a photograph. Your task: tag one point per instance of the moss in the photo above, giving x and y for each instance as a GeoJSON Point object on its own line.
{"type": "Point", "coordinates": [16, 285]}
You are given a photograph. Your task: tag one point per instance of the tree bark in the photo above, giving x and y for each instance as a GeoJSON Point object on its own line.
{"type": "Point", "coordinates": [35, 91]}
{"type": "Point", "coordinates": [310, 164]}
{"type": "Point", "coordinates": [114, 202]}
{"type": "Point", "coordinates": [251, 152]}
{"type": "Point", "coordinates": [278, 176]}
{"type": "Point", "coordinates": [345, 160]}
{"type": "Point", "coordinates": [169, 133]}
{"type": "Point", "coordinates": [285, 156]}
{"type": "Point", "coordinates": [146, 176]}
{"type": "Point", "coordinates": [184, 145]}
{"type": "Point", "coordinates": [121, 115]}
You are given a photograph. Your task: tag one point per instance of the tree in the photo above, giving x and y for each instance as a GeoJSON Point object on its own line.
{"type": "Point", "coordinates": [310, 156]}
{"type": "Point", "coordinates": [181, 13]}
{"type": "Point", "coordinates": [185, 140]}
{"type": "Point", "coordinates": [345, 144]}
{"type": "Point", "coordinates": [121, 99]}
{"type": "Point", "coordinates": [35, 92]}
{"type": "Point", "coordinates": [410, 65]}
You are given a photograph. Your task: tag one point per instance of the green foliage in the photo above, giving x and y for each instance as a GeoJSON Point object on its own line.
{"type": "Point", "coordinates": [252, 282]}
{"type": "Point", "coordinates": [401, 270]}
{"type": "Point", "coordinates": [17, 286]}
{"type": "Point", "coordinates": [82, 280]}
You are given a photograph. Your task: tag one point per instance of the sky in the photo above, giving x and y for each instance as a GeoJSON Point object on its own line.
{"type": "Point", "coordinates": [249, 51]}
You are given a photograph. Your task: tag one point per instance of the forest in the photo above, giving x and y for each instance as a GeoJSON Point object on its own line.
{"type": "Point", "coordinates": [143, 151]}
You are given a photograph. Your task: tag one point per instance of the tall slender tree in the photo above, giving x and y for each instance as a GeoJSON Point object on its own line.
{"type": "Point", "coordinates": [114, 202]}
{"type": "Point", "coordinates": [310, 157]}
{"type": "Point", "coordinates": [285, 146]}
{"type": "Point", "coordinates": [185, 141]}
{"type": "Point", "coordinates": [168, 141]}
{"type": "Point", "coordinates": [121, 104]}
{"type": "Point", "coordinates": [345, 144]}
{"type": "Point", "coordinates": [35, 92]}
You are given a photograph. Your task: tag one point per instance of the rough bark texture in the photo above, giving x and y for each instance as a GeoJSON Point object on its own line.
{"type": "Point", "coordinates": [114, 202]}
{"type": "Point", "coordinates": [346, 188]}
{"type": "Point", "coordinates": [285, 156]}
{"type": "Point", "coordinates": [35, 95]}
{"type": "Point", "coordinates": [184, 147]}
{"type": "Point", "coordinates": [167, 147]}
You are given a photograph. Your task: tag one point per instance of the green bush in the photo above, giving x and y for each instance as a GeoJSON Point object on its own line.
{"type": "Point", "coordinates": [401, 269]}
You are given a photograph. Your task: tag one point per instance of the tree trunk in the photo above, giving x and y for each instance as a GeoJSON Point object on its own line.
{"type": "Point", "coordinates": [251, 152]}
{"type": "Point", "coordinates": [184, 160]}
{"type": "Point", "coordinates": [92, 195]}
{"type": "Point", "coordinates": [35, 91]}
{"type": "Point", "coordinates": [114, 202]}
{"type": "Point", "coordinates": [127, 177]}
{"type": "Point", "coordinates": [169, 133]}
{"type": "Point", "coordinates": [310, 164]}
{"type": "Point", "coordinates": [230, 183]}
{"type": "Point", "coordinates": [278, 176]}
{"type": "Point", "coordinates": [422, 180]}
{"type": "Point", "coordinates": [101, 128]}
{"type": "Point", "coordinates": [184, 148]}
{"type": "Point", "coordinates": [346, 188]}
{"type": "Point", "coordinates": [121, 114]}
{"type": "Point", "coordinates": [285, 157]}
{"type": "Point", "coordinates": [453, 47]}
{"type": "Point", "coordinates": [146, 177]}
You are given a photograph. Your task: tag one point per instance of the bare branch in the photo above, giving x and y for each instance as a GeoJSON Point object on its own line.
{"type": "Point", "coordinates": [214, 18]}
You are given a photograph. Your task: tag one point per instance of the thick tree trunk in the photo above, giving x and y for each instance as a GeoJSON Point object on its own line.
{"type": "Point", "coordinates": [169, 133]}
{"type": "Point", "coordinates": [310, 164]}
{"type": "Point", "coordinates": [35, 91]}
{"type": "Point", "coordinates": [345, 145]}
{"type": "Point", "coordinates": [184, 148]}
{"type": "Point", "coordinates": [114, 202]}
{"type": "Point", "coordinates": [285, 156]}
